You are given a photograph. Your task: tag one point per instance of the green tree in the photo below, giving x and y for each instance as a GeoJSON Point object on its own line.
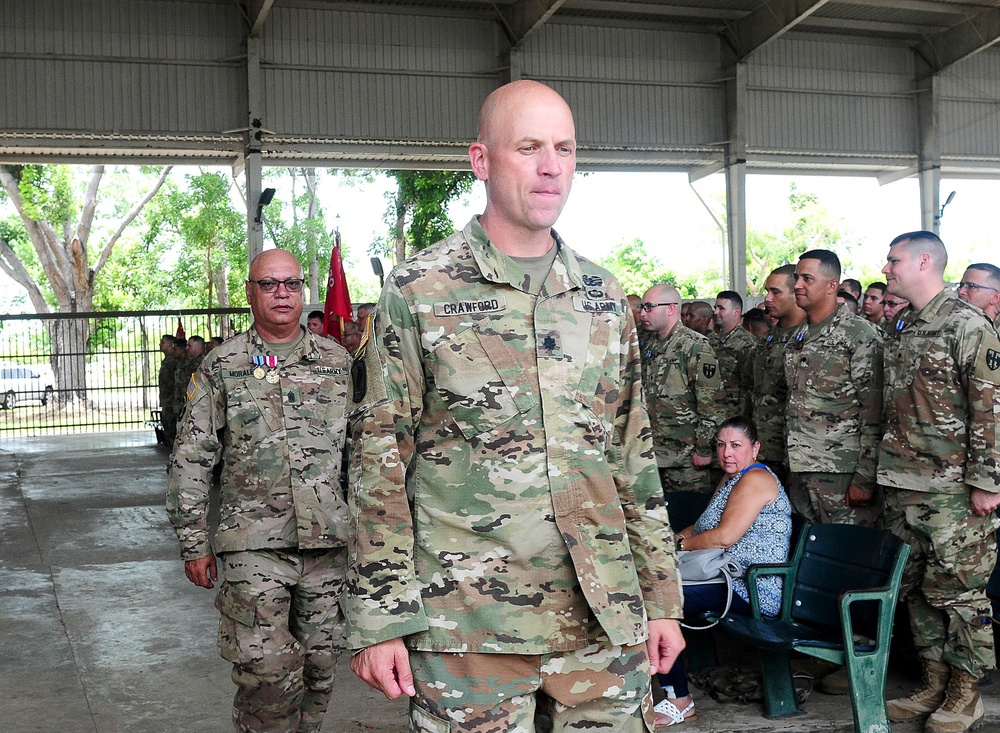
{"type": "Point", "coordinates": [810, 226]}
{"type": "Point", "coordinates": [638, 270]}
{"type": "Point", "coordinates": [417, 214]}
{"type": "Point", "coordinates": [45, 246]}
{"type": "Point", "coordinates": [209, 235]}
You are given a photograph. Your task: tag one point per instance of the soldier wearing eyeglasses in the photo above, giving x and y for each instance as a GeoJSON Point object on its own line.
{"type": "Point", "coordinates": [981, 286]}
{"type": "Point", "coordinates": [683, 388]}
{"type": "Point", "coordinates": [270, 405]}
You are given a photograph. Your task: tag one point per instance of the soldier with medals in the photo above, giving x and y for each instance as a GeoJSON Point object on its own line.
{"type": "Point", "coordinates": [269, 404]}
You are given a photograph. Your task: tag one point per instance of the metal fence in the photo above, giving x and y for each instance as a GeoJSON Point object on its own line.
{"type": "Point", "coordinates": [102, 367]}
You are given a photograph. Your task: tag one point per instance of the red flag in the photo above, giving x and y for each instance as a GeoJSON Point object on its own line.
{"type": "Point", "coordinates": [180, 329]}
{"type": "Point", "coordinates": [338, 300]}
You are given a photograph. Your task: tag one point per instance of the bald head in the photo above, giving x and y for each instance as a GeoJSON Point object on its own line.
{"type": "Point", "coordinates": [526, 157]}
{"type": "Point", "coordinates": [273, 257]}
{"type": "Point", "coordinates": [274, 292]}
{"type": "Point", "coordinates": [495, 116]}
{"type": "Point", "coordinates": [661, 309]}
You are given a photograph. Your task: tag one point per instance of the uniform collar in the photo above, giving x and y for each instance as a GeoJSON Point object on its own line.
{"type": "Point", "coordinates": [806, 332]}
{"type": "Point", "coordinates": [495, 265]}
{"type": "Point", "coordinates": [930, 311]}
{"type": "Point", "coordinates": [308, 350]}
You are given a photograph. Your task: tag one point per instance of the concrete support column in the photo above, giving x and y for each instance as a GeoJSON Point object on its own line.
{"type": "Point", "coordinates": [736, 226]}
{"type": "Point", "coordinates": [251, 148]}
{"type": "Point", "coordinates": [929, 150]}
{"type": "Point", "coordinates": [736, 178]}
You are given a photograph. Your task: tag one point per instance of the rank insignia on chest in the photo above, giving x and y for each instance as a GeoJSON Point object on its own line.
{"type": "Point", "coordinates": [708, 370]}
{"type": "Point", "coordinates": [993, 359]}
{"type": "Point", "coordinates": [549, 345]}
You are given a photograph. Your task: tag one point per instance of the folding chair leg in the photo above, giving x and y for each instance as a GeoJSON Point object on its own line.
{"type": "Point", "coordinates": [779, 691]}
{"type": "Point", "coordinates": [700, 649]}
{"type": "Point", "coordinates": [867, 680]}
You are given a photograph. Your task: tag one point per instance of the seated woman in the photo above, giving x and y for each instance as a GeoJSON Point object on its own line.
{"type": "Point", "coordinates": [749, 515]}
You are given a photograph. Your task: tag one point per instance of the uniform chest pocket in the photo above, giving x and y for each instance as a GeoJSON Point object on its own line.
{"type": "Point", "coordinates": [243, 413]}
{"type": "Point", "coordinates": [480, 380]}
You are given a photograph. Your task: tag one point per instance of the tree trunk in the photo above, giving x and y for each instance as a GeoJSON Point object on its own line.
{"type": "Point", "coordinates": [69, 357]}
{"type": "Point", "coordinates": [222, 288]}
{"type": "Point", "coordinates": [67, 266]}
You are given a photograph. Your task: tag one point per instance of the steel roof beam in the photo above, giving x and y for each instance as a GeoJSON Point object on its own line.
{"type": "Point", "coordinates": [974, 34]}
{"type": "Point", "coordinates": [524, 17]}
{"type": "Point", "coordinates": [767, 23]}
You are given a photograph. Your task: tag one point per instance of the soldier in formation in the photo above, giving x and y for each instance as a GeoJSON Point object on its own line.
{"type": "Point", "coordinates": [833, 369]}
{"type": "Point", "coordinates": [732, 345]}
{"type": "Point", "coordinates": [766, 366]}
{"type": "Point", "coordinates": [938, 462]}
{"type": "Point", "coordinates": [683, 389]}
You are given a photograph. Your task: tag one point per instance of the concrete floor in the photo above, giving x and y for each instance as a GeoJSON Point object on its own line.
{"type": "Point", "coordinates": [101, 632]}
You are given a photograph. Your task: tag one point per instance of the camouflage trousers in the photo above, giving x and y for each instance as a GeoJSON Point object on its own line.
{"type": "Point", "coordinates": [687, 478]}
{"type": "Point", "coordinates": [952, 554]}
{"type": "Point", "coordinates": [282, 628]}
{"type": "Point", "coordinates": [601, 687]}
{"type": "Point", "coordinates": [820, 499]}
{"type": "Point", "coordinates": [169, 419]}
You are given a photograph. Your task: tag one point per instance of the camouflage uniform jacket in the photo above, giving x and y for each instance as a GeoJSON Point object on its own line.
{"type": "Point", "coordinates": [942, 400]}
{"type": "Point", "coordinates": [168, 368]}
{"type": "Point", "coordinates": [834, 416]}
{"type": "Point", "coordinates": [769, 392]}
{"type": "Point", "coordinates": [281, 446]}
{"type": "Point", "coordinates": [183, 371]}
{"type": "Point", "coordinates": [733, 351]}
{"type": "Point", "coordinates": [502, 487]}
{"type": "Point", "coordinates": [683, 389]}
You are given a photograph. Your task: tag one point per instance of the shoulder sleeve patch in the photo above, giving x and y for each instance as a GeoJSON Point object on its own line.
{"type": "Point", "coordinates": [988, 359]}
{"type": "Point", "coordinates": [367, 376]}
{"type": "Point", "coordinates": [192, 388]}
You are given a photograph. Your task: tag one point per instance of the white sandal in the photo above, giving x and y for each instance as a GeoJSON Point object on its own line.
{"type": "Point", "coordinates": [673, 715]}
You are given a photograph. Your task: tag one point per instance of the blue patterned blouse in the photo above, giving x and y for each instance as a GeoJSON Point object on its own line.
{"type": "Point", "coordinates": [766, 541]}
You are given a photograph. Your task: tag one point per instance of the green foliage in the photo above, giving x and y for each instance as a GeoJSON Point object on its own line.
{"type": "Point", "coordinates": [418, 210]}
{"type": "Point", "coordinates": [48, 193]}
{"type": "Point", "coordinates": [202, 226]}
{"type": "Point", "coordinates": [638, 270]}
{"type": "Point", "coordinates": [810, 226]}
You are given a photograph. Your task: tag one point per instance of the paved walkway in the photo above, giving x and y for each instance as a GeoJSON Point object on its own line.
{"type": "Point", "coordinates": [100, 631]}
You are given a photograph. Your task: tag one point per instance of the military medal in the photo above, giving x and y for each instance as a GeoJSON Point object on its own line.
{"type": "Point", "coordinates": [259, 371]}
{"type": "Point", "coordinates": [272, 364]}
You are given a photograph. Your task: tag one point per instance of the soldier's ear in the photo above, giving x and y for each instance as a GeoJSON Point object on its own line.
{"type": "Point", "coordinates": [479, 158]}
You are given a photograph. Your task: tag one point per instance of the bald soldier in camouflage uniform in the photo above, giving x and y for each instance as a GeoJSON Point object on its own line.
{"type": "Point", "coordinates": [509, 535]}
{"type": "Point", "coordinates": [834, 418]}
{"type": "Point", "coordinates": [683, 390]}
{"type": "Point", "coordinates": [938, 462]}
{"type": "Point", "coordinates": [270, 404]}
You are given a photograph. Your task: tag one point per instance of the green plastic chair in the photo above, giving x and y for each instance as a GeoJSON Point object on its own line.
{"type": "Point", "coordinates": [840, 593]}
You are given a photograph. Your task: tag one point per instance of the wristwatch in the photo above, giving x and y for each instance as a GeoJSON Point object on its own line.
{"type": "Point", "coordinates": [680, 544]}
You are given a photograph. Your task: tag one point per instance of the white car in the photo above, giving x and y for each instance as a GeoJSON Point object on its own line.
{"type": "Point", "coordinates": [19, 383]}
